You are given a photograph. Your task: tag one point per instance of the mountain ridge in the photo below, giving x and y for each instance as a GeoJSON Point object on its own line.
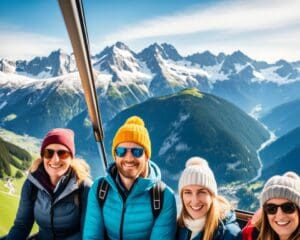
{"type": "Point", "coordinates": [125, 78]}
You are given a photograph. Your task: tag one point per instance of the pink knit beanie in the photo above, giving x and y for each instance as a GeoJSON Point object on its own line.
{"type": "Point", "coordinates": [62, 136]}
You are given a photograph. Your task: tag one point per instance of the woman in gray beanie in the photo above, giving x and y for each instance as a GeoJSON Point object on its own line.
{"type": "Point", "coordinates": [205, 215]}
{"type": "Point", "coordinates": [280, 216]}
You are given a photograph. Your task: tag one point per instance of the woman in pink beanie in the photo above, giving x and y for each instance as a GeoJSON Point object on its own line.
{"type": "Point", "coordinates": [54, 195]}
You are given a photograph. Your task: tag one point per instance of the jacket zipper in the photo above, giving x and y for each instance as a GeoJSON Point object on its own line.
{"type": "Point", "coordinates": [122, 220]}
{"type": "Point", "coordinates": [52, 218]}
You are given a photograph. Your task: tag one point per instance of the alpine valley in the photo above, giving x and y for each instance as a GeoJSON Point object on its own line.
{"type": "Point", "coordinates": [202, 104]}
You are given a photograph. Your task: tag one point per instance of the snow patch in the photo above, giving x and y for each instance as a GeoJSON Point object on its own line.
{"type": "Point", "coordinates": [2, 104]}
{"type": "Point", "coordinates": [215, 74]}
{"type": "Point", "coordinates": [168, 143]}
{"type": "Point", "coordinates": [173, 138]}
{"type": "Point", "coordinates": [181, 147]}
{"type": "Point", "coordinates": [270, 75]}
{"type": "Point", "coordinates": [256, 111]}
{"type": "Point", "coordinates": [233, 166]}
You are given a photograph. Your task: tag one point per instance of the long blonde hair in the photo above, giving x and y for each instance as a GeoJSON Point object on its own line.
{"type": "Point", "coordinates": [217, 211]}
{"type": "Point", "coordinates": [266, 232]}
{"type": "Point", "coordinates": [79, 166]}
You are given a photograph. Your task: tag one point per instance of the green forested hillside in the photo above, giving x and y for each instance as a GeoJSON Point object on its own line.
{"type": "Point", "coordinates": [11, 154]}
{"type": "Point", "coordinates": [13, 163]}
{"type": "Point", "coordinates": [192, 123]}
{"type": "Point", "coordinates": [5, 159]}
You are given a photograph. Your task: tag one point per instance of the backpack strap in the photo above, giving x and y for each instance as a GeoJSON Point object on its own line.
{"type": "Point", "coordinates": [102, 191]}
{"type": "Point", "coordinates": [156, 194]}
{"type": "Point", "coordinates": [157, 198]}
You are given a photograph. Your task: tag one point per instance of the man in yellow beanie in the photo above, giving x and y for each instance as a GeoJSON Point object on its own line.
{"type": "Point", "coordinates": [123, 204]}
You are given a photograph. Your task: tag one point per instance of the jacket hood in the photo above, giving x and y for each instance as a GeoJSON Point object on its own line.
{"type": "Point", "coordinates": [70, 186]}
{"type": "Point", "coordinates": [230, 218]}
{"type": "Point", "coordinates": [229, 222]}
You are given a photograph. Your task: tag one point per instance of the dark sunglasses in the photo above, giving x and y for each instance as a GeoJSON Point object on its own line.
{"type": "Point", "coordinates": [136, 152]}
{"type": "Point", "coordinates": [287, 208]}
{"type": "Point", "coordinates": [62, 154]}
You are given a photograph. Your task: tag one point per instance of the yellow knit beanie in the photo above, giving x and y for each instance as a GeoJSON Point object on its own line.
{"type": "Point", "coordinates": [133, 131]}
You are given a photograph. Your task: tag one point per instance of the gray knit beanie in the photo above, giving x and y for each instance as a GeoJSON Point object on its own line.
{"type": "Point", "coordinates": [285, 186]}
{"type": "Point", "coordinates": [197, 172]}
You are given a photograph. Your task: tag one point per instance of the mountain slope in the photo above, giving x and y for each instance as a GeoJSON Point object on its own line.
{"type": "Point", "coordinates": [288, 162]}
{"type": "Point", "coordinates": [38, 105]}
{"type": "Point", "coordinates": [283, 118]}
{"type": "Point", "coordinates": [281, 147]}
{"type": "Point", "coordinates": [193, 123]}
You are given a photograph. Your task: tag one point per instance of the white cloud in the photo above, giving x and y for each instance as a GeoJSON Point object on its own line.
{"type": "Point", "coordinates": [15, 44]}
{"type": "Point", "coordinates": [263, 29]}
{"type": "Point", "coordinates": [234, 16]}
{"type": "Point", "coordinates": [225, 27]}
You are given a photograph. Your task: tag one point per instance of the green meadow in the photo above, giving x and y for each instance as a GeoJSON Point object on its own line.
{"type": "Point", "coordinates": [9, 205]}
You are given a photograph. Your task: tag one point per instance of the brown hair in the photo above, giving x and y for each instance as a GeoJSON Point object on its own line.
{"type": "Point", "coordinates": [266, 232]}
{"type": "Point", "coordinates": [217, 211]}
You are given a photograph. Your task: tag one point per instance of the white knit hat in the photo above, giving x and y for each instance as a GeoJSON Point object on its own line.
{"type": "Point", "coordinates": [197, 172]}
{"type": "Point", "coordinates": [285, 186]}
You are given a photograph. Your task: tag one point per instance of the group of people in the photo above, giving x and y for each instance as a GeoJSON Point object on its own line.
{"type": "Point", "coordinates": [131, 201]}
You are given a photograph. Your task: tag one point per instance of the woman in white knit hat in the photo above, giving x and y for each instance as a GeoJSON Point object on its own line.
{"type": "Point", "coordinates": [205, 215]}
{"type": "Point", "coordinates": [280, 216]}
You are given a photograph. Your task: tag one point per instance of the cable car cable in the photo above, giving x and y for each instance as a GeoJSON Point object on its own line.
{"type": "Point", "coordinates": [74, 18]}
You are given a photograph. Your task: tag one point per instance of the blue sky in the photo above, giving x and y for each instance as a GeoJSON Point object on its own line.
{"type": "Point", "coordinates": [263, 29]}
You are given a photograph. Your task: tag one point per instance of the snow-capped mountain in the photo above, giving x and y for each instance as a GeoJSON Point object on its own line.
{"type": "Point", "coordinates": [56, 64]}
{"type": "Point", "coordinates": [125, 78]}
{"type": "Point", "coordinates": [33, 106]}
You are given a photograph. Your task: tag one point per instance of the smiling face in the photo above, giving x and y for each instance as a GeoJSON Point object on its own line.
{"type": "Point", "coordinates": [282, 223]}
{"type": "Point", "coordinates": [197, 200]}
{"type": "Point", "coordinates": [57, 166]}
{"type": "Point", "coordinates": [131, 167]}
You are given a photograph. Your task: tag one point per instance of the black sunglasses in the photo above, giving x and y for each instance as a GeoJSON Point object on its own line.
{"type": "Point", "coordinates": [287, 208]}
{"type": "Point", "coordinates": [62, 154]}
{"type": "Point", "coordinates": [136, 152]}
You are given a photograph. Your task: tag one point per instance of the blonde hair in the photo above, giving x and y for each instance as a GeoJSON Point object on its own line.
{"type": "Point", "coordinates": [266, 232]}
{"type": "Point", "coordinates": [79, 166]}
{"type": "Point", "coordinates": [217, 211]}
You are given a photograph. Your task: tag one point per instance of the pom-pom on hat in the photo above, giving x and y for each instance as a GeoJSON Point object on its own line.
{"type": "Point", "coordinates": [286, 186]}
{"type": "Point", "coordinates": [133, 130]}
{"type": "Point", "coordinates": [62, 136]}
{"type": "Point", "coordinates": [197, 172]}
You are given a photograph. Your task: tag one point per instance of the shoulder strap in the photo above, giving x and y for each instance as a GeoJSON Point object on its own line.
{"type": "Point", "coordinates": [157, 198]}
{"type": "Point", "coordinates": [156, 193]}
{"type": "Point", "coordinates": [102, 191]}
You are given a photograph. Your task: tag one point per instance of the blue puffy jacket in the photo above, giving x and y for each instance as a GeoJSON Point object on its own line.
{"type": "Point", "coordinates": [131, 218]}
{"type": "Point", "coordinates": [228, 229]}
{"type": "Point", "coordinates": [57, 218]}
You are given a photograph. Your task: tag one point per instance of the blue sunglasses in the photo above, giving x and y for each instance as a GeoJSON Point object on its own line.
{"type": "Point", "coordinates": [136, 152]}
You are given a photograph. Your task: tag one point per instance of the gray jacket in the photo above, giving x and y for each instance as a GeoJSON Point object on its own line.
{"type": "Point", "coordinates": [59, 216]}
